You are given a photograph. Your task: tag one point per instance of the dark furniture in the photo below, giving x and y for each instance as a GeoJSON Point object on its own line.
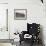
{"type": "Point", "coordinates": [33, 30]}
{"type": "Point", "coordinates": [42, 1]}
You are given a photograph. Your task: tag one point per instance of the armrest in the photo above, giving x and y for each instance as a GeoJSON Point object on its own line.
{"type": "Point", "coordinates": [22, 35]}
{"type": "Point", "coordinates": [24, 32]}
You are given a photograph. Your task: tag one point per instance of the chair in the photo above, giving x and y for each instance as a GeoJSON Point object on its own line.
{"type": "Point", "coordinates": [33, 30]}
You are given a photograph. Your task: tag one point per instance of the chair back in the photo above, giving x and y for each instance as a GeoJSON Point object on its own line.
{"type": "Point", "coordinates": [33, 28]}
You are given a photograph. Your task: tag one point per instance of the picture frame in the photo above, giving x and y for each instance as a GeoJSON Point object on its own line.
{"type": "Point", "coordinates": [20, 14]}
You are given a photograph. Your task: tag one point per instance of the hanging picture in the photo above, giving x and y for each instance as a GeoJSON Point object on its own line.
{"type": "Point", "coordinates": [20, 14]}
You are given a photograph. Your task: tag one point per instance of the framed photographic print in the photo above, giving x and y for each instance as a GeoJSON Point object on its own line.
{"type": "Point", "coordinates": [20, 14]}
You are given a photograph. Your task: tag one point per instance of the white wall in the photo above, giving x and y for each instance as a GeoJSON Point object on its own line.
{"type": "Point", "coordinates": [3, 21]}
{"type": "Point", "coordinates": [3, 1]}
{"type": "Point", "coordinates": [3, 14]}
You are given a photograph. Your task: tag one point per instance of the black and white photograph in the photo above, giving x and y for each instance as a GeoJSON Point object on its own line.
{"type": "Point", "coordinates": [22, 22]}
{"type": "Point", "coordinates": [20, 14]}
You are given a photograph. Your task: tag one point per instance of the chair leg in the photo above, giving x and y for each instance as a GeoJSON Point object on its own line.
{"type": "Point", "coordinates": [32, 42]}
{"type": "Point", "coordinates": [20, 42]}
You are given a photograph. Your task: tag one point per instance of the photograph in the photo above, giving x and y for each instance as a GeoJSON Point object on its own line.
{"type": "Point", "coordinates": [22, 22]}
{"type": "Point", "coordinates": [20, 14]}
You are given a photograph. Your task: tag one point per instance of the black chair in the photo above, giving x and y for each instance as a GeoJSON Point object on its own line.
{"type": "Point", "coordinates": [32, 29]}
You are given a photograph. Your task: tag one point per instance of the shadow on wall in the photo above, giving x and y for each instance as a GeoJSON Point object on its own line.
{"type": "Point", "coordinates": [41, 34]}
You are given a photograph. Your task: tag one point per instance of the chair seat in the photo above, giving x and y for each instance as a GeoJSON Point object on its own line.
{"type": "Point", "coordinates": [27, 36]}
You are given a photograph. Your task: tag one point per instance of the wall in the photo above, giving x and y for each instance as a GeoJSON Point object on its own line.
{"type": "Point", "coordinates": [3, 1]}
{"type": "Point", "coordinates": [3, 34]}
{"type": "Point", "coordinates": [3, 21]}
